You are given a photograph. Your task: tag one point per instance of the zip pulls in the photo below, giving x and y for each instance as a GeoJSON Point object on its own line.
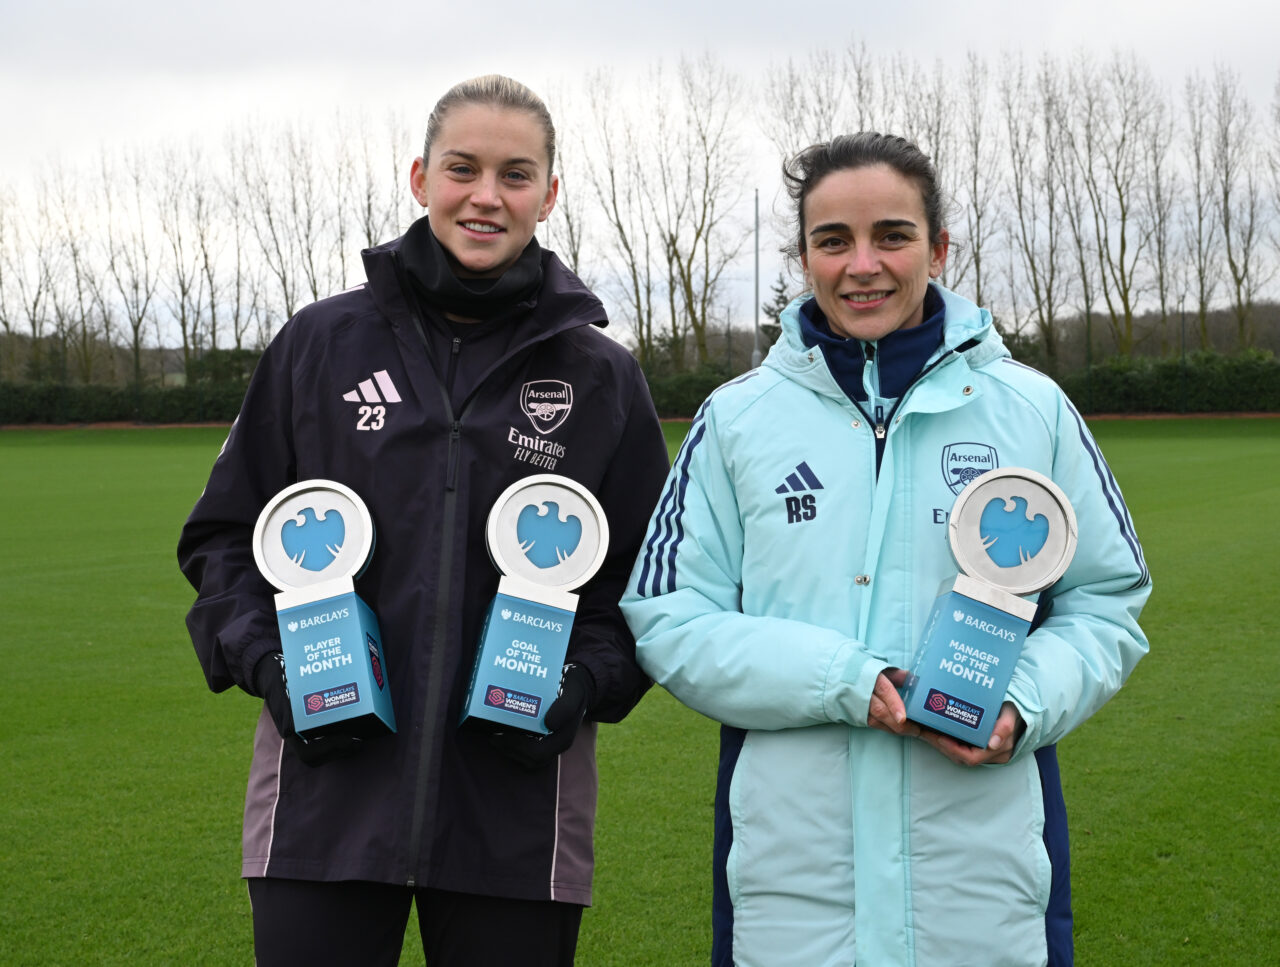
{"type": "Point", "coordinates": [882, 421]}
{"type": "Point", "coordinates": [455, 350]}
{"type": "Point", "coordinates": [455, 446]}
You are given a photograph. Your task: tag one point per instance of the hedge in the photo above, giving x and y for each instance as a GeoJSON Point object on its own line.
{"type": "Point", "coordinates": [64, 403]}
{"type": "Point", "coordinates": [1202, 383]}
{"type": "Point", "coordinates": [680, 394]}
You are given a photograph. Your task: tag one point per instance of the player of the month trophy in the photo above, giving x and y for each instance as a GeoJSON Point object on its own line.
{"type": "Point", "coordinates": [547, 536]}
{"type": "Point", "coordinates": [312, 540]}
{"type": "Point", "coordinates": [1013, 534]}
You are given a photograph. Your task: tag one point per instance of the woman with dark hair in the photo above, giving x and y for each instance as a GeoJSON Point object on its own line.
{"type": "Point", "coordinates": [792, 561]}
{"type": "Point", "coordinates": [424, 392]}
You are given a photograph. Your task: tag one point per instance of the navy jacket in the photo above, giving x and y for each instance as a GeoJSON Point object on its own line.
{"type": "Point", "coordinates": [348, 392]}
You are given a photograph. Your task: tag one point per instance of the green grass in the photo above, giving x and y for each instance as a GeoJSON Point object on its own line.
{"type": "Point", "coordinates": [124, 777]}
{"type": "Point", "coordinates": [1172, 788]}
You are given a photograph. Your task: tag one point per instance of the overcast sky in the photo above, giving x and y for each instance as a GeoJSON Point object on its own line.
{"type": "Point", "coordinates": [78, 75]}
{"type": "Point", "coordinates": [74, 75]}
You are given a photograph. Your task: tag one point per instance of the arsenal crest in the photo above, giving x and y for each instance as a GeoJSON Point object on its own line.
{"type": "Point", "coordinates": [546, 402]}
{"type": "Point", "coordinates": [964, 462]}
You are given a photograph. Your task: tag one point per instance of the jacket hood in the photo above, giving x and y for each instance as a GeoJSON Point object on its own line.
{"type": "Point", "coordinates": [967, 329]}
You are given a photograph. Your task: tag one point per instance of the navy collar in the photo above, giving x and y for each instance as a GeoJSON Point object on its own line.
{"type": "Point", "coordinates": [900, 355]}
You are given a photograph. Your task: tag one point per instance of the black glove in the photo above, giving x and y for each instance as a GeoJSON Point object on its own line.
{"type": "Point", "coordinates": [565, 714]}
{"type": "Point", "coordinates": [269, 682]}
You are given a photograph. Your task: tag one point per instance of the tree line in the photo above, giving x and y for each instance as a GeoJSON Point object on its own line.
{"type": "Point", "coordinates": [1086, 196]}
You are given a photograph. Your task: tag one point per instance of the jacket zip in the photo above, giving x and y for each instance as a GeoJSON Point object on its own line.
{"type": "Point", "coordinates": [435, 668]}
{"type": "Point", "coordinates": [426, 758]}
{"type": "Point", "coordinates": [881, 425]}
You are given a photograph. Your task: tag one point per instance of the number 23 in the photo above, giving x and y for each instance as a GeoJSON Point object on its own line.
{"type": "Point", "coordinates": [371, 418]}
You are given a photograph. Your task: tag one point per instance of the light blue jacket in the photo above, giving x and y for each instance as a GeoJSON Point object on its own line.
{"type": "Point", "coordinates": [782, 573]}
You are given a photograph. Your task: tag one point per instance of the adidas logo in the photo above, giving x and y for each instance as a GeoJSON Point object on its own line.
{"type": "Point", "coordinates": [366, 390]}
{"type": "Point", "coordinates": [800, 480]}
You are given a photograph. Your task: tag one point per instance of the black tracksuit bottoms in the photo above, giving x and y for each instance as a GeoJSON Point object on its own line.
{"type": "Point", "coordinates": [308, 924]}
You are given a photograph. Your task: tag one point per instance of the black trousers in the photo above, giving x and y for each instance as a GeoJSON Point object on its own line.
{"type": "Point", "coordinates": [310, 924]}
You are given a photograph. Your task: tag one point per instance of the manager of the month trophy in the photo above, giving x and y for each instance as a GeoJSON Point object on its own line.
{"type": "Point", "coordinates": [312, 540]}
{"type": "Point", "coordinates": [1013, 534]}
{"type": "Point", "coordinates": [548, 536]}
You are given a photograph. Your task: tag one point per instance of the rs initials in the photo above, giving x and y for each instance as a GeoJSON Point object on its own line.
{"type": "Point", "coordinates": [801, 508]}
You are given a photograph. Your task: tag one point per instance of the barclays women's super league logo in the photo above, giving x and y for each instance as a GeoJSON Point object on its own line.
{"type": "Point", "coordinates": [312, 541]}
{"type": "Point", "coordinates": [546, 537]}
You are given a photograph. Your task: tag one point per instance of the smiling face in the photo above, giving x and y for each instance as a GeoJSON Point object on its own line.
{"type": "Point", "coordinates": [485, 186]}
{"type": "Point", "coordinates": [867, 254]}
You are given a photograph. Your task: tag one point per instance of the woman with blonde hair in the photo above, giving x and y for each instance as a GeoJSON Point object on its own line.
{"type": "Point", "coordinates": [414, 391]}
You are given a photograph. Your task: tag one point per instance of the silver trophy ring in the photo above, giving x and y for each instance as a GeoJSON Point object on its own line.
{"type": "Point", "coordinates": [1014, 529]}
{"type": "Point", "coordinates": [549, 531]}
{"type": "Point", "coordinates": [313, 531]}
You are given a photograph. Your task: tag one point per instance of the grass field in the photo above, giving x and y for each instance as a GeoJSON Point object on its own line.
{"type": "Point", "coordinates": [123, 776]}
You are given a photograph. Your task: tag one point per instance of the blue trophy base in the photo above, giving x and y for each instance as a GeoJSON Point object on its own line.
{"type": "Point", "coordinates": [971, 643]}
{"type": "Point", "coordinates": [334, 663]}
{"type": "Point", "coordinates": [516, 675]}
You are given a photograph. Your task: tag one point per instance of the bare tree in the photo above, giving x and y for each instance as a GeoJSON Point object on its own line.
{"type": "Point", "coordinates": [1030, 106]}
{"type": "Point", "coordinates": [266, 194]}
{"type": "Point", "coordinates": [1200, 225]}
{"type": "Point", "coordinates": [402, 208]}
{"type": "Point", "coordinates": [307, 216]}
{"type": "Point", "coordinates": [369, 202]}
{"type": "Point", "coordinates": [1079, 216]}
{"type": "Point", "coordinates": [32, 266]}
{"type": "Point", "coordinates": [975, 180]}
{"type": "Point", "coordinates": [803, 105]}
{"type": "Point", "coordinates": [131, 246]}
{"type": "Point", "coordinates": [1160, 185]}
{"type": "Point", "coordinates": [864, 90]}
{"type": "Point", "coordinates": [1274, 164]}
{"type": "Point", "coordinates": [1239, 196]}
{"type": "Point", "coordinates": [616, 168]}
{"type": "Point", "coordinates": [182, 271]}
{"type": "Point", "coordinates": [1273, 159]}
{"type": "Point", "coordinates": [1105, 136]}
{"type": "Point", "coordinates": [918, 106]}
{"type": "Point", "coordinates": [342, 190]}
{"type": "Point", "coordinates": [205, 215]}
{"type": "Point", "coordinates": [698, 183]}
{"type": "Point", "coordinates": [7, 315]}
{"type": "Point", "coordinates": [245, 289]}
{"type": "Point", "coordinates": [371, 212]}
{"type": "Point", "coordinates": [80, 299]}
{"type": "Point", "coordinates": [567, 228]}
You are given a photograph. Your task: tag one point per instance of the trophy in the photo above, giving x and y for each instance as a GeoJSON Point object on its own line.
{"type": "Point", "coordinates": [312, 540]}
{"type": "Point", "coordinates": [1013, 533]}
{"type": "Point", "coordinates": [547, 536]}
